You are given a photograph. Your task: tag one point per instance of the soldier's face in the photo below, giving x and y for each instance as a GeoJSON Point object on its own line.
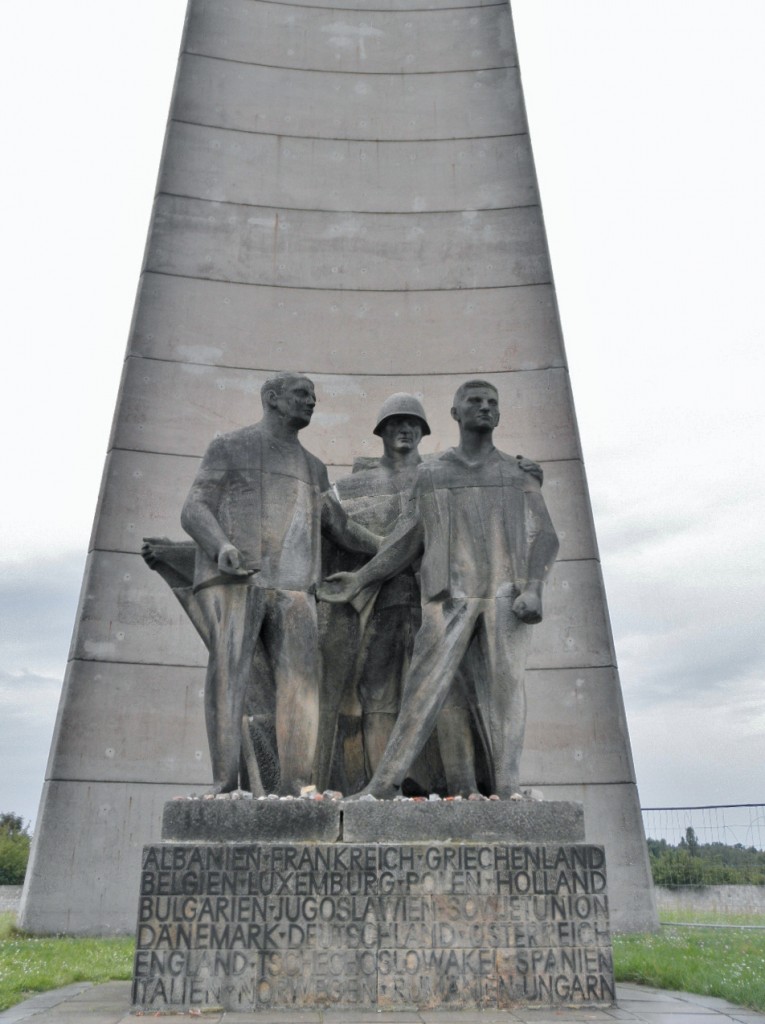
{"type": "Point", "coordinates": [477, 409]}
{"type": "Point", "coordinates": [297, 401]}
{"type": "Point", "coordinates": [401, 433]}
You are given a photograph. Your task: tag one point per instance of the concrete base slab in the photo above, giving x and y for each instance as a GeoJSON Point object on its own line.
{"type": "Point", "coordinates": [370, 821]}
{"type": "Point", "coordinates": [507, 820]}
{"type": "Point", "coordinates": [226, 821]}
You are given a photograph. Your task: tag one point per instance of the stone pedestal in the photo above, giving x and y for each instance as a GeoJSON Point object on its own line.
{"type": "Point", "coordinates": [269, 922]}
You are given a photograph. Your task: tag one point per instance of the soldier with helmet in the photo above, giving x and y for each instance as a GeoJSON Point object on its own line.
{"type": "Point", "coordinates": [375, 495]}
{"type": "Point", "coordinates": [389, 615]}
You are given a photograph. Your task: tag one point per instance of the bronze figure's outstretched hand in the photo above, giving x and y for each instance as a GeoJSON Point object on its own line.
{"type": "Point", "coordinates": [149, 552]}
{"type": "Point", "coordinates": [340, 588]}
{"type": "Point", "coordinates": [528, 605]}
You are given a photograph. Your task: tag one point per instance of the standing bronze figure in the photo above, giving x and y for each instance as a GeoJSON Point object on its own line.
{"type": "Point", "coordinates": [256, 511]}
{"type": "Point", "coordinates": [478, 521]}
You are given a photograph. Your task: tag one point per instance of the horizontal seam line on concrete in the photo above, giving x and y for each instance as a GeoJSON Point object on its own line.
{"type": "Point", "coordinates": [336, 71]}
{"type": "Point", "coordinates": [346, 212]}
{"type": "Point", "coordinates": [379, 10]}
{"type": "Point", "coordinates": [143, 451]}
{"type": "Point", "coordinates": [295, 287]}
{"type": "Point", "coordinates": [563, 668]}
{"type": "Point", "coordinates": [136, 552]}
{"type": "Point", "coordinates": [133, 551]}
{"type": "Point", "coordinates": [134, 782]}
{"type": "Point", "coordinates": [316, 288]}
{"type": "Point", "coordinates": [324, 373]}
{"type": "Point", "coordinates": [148, 664]}
{"type": "Point", "coordinates": [203, 665]}
{"type": "Point", "coordinates": [346, 138]}
{"type": "Point", "coordinates": [236, 368]}
{"type": "Point", "coordinates": [572, 785]}
{"type": "Point", "coordinates": [540, 784]}
{"type": "Point", "coordinates": [329, 465]}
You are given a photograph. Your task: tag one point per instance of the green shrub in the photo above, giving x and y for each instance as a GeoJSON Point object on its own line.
{"type": "Point", "coordinates": [14, 849]}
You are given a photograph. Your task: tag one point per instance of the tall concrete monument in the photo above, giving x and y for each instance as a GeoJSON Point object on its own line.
{"type": "Point", "coordinates": [347, 192]}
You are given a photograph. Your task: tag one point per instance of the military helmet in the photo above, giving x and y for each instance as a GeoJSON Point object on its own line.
{"type": "Point", "coordinates": [401, 404]}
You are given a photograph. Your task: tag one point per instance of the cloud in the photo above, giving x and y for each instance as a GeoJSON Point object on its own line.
{"type": "Point", "coordinates": [679, 530]}
{"type": "Point", "coordinates": [37, 609]}
{"type": "Point", "coordinates": [38, 604]}
{"type": "Point", "coordinates": [28, 705]}
{"type": "Point", "coordinates": [699, 749]}
{"type": "Point", "coordinates": [683, 568]}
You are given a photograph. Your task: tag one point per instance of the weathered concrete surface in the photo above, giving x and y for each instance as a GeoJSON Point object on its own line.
{"type": "Point", "coordinates": [563, 735]}
{"type": "Point", "coordinates": [87, 855]}
{"type": "Point", "coordinates": [211, 323]}
{"type": "Point", "coordinates": [522, 821]}
{"type": "Point", "coordinates": [10, 898]}
{"type": "Point", "coordinates": [299, 248]}
{"type": "Point", "coordinates": [369, 821]}
{"type": "Point", "coordinates": [372, 221]}
{"type": "Point", "coordinates": [415, 177]}
{"type": "Point", "coordinates": [261, 821]}
{"type": "Point", "coordinates": [609, 810]}
{"type": "Point", "coordinates": [324, 105]}
{"type": "Point", "coordinates": [324, 40]}
{"type": "Point", "coordinates": [718, 899]}
{"type": "Point", "coordinates": [116, 720]}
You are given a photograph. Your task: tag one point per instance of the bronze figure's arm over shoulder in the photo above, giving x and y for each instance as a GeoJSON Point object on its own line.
{"type": "Point", "coordinates": [344, 531]}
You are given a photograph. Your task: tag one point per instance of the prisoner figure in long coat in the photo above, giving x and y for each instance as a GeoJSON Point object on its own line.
{"type": "Point", "coordinates": [256, 511]}
{"type": "Point", "coordinates": [479, 523]}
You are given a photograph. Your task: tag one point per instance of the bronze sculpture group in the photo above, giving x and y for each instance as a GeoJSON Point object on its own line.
{"type": "Point", "coordinates": [428, 573]}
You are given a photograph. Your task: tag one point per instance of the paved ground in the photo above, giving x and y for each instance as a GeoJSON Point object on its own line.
{"type": "Point", "coordinates": [109, 1004]}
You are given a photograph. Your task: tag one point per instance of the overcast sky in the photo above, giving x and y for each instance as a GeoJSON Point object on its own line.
{"type": "Point", "coordinates": [647, 124]}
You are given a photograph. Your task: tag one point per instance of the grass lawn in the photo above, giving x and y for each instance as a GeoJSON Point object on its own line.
{"type": "Point", "coordinates": [29, 964]}
{"type": "Point", "coordinates": [724, 962]}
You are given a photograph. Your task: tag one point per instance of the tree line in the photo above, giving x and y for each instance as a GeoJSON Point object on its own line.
{"type": "Point", "coordinates": [14, 849]}
{"type": "Point", "coordinates": [695, 863]}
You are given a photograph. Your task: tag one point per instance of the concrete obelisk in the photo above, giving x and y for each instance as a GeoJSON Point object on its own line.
{"type": "Point", "coordinates": [348, 191]}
